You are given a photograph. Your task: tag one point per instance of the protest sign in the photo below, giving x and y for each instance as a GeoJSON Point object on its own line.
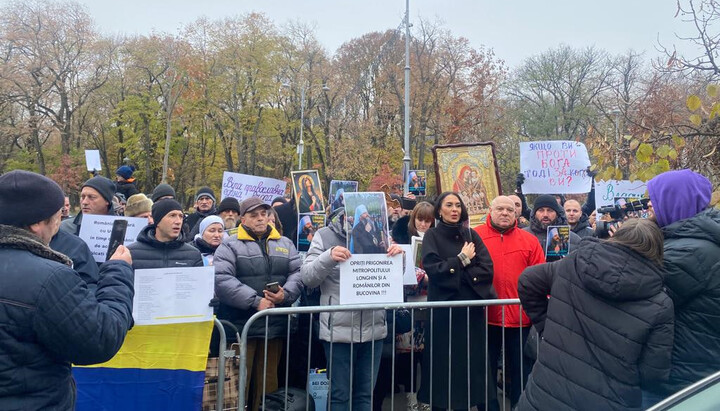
{"type": "Point", "coordinates": [409, 265]}
{"type": "Point", "coordinates": [92, 160]}
{"type": "Point", "coordinates": [308, 225]}
{"type": "Point", "coordinates": [416, 243]}
{"type": "Point", "coordinates": [557, 243]}
{"type": "Point", "coordinates": [96, 229]}
{"type": "Point", "coordinates": [242, 186]}
{"type": "Point", "coordinates": [366, 222]}
{"type": "Point", "coordinates": [173, 295]}
{"type": "Point", "coordinates": [371, 278]}
{"type": "Point", "coordinates": [308, 192]}
{"type": "Point", "coordinates": [337, 190]}
{"type": "Point", "coordinates": [318, 387]}
{"type": "Point", "coordinates": [606, 192]}
{"type": "Point", "coordinates": [417, 181]}
{"type": "Point", "coordinates": [554, 167]}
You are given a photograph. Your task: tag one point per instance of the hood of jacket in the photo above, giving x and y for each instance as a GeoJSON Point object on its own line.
{"type": "Point", "coordinates": [583, 223]}
{"type": "Point", "coordinates": [678, 194]}
{"type": "Point", "coordinates": [703, 226]}
{"type": "Point", "coordinates": [401, 230]}
{"type": "Point", "coordinates": [147, 236]}
{"type": "Point", "coordinates": [616, 272]}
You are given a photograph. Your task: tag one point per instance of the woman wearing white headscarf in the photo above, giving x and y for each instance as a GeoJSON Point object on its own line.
{"type": "Point", "coordinates": [212, 232]}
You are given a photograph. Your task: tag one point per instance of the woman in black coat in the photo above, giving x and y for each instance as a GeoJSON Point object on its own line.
{"type": "Point", "coordinates": [459, 267]}
{"type": "Point", "coordinates": [607, 327]}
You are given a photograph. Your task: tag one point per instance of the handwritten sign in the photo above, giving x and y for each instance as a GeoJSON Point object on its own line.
{"type": "Point", "coordinates": [173, 295]}
{"type": "Point", "coordinates": [95, 231]}
{"type": "Point", "coordinates": [242, 186]}
{"type": "Point", "coordinates": [92, 160]}
{"type": "Point", "coordinates": [607, 192]}
{"type": "Point", "coordinates": [371, 278]}
{"type": "Point", "coordinates": [554, 167]}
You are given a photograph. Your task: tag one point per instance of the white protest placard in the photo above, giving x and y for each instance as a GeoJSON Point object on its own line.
{"type": "Point", "coordinates": [92, 160]}
{"type": "Point", "coordinates": [173, 295]}
{"type": "Point", "coordinates": [409, 273]}
{"type": "Point", "coordinates": [606, 192]}
{"type": "Point", "coordinates": [554, 167]}
{"type": "Point", "coordinates": [242, 186]}
{"type": "Point", "coordinates": [371, 278]}
{"type": "Point", "coordinates": [95, 231]}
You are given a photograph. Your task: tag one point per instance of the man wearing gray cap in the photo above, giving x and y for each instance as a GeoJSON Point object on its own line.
{"type": "Point", "coordinates": [256, 270]}
{"type": "Point", "coordinates": [49, 318]}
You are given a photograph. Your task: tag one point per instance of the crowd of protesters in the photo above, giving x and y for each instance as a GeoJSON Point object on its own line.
{"type": "Point", "coordinates": [619, 323]}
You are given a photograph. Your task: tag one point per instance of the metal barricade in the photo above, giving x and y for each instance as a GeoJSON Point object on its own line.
{"type": "Point", "coordinates": [223, 355]}
{"type": "Point", "coordinates": [265, 315]}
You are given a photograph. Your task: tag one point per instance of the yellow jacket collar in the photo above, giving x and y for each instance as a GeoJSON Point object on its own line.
{"type": "Point", "coordinates": [243, 235]}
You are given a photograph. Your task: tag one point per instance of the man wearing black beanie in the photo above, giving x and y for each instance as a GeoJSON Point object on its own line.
{"type": "Point", "coordinates": [546, 212]}
{"type": "Point", "coordinates": [49, 318]}
{"type": "Point", "coordinates": [161, 245]}
{"type": "Point", "coordinates": [96, 197]}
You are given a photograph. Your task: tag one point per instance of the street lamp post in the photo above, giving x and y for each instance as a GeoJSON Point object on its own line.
{"type": "Point", "coordinates": [301, 144]}
{"type": "Point", "coordinates": [616, 112]}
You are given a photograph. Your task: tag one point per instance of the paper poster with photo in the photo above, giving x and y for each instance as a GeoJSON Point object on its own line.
{"type": "Point", "coordinates": [416, 243]}
{"type": "Point", "coordinates": [338, 188]}
{"type": "Point", "coordinates": [242, 186]}
{"type": "Point", "coordinates": [308, 225]}
{"type": "Point", "coordinates": [308, 192]}
{"type": "Point", "coordinates": [366, 220]}
{"type": "Point", "coordinates": [96, 229]}
{"type": "Point", "coordinates": [554, 167]}
{"type": "Point", "coordinates": [557, 242]}
{"type": "Point", "coordinates": [417, 182]}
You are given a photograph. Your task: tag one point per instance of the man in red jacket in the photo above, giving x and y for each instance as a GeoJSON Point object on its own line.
{"type": "Point", "coordinates": [512, 250]}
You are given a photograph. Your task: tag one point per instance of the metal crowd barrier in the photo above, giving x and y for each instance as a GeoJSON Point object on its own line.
{"type": "Point", "coordinates": [311, 311]}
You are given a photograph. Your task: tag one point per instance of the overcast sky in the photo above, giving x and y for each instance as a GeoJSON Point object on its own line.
{"type": "Point", "coordinates": [514, 29]}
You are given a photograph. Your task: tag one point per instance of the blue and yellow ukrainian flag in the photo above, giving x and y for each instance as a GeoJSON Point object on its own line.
{"type": "Point", "coordinates": [158, 367]}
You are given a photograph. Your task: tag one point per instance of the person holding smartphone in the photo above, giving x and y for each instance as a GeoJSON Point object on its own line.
{"type": "Point", "coordinates": [257, 269]}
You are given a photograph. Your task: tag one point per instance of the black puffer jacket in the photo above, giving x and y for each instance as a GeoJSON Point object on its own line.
{"type": "Point", "coordinates": [692, 278]}
{"type": "Point", "coordinates": [50, 319]}
{"type": "Point", "coordinates": [148, 252]}
{"type": "Point", "coordinates": [607, 329]}
{"type": "Point", "coordinates": [81, 256]}
{"type": "Point", "coordinates": [536, 229]}
{"type": "Point", "coordinates": [582, 228]}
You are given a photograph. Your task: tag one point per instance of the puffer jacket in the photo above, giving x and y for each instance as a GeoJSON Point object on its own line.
{"type": "Point", "coordinates": [244, 264]}
{"type": "Point", "coordinates": [536, 229]}
{"type": "Point", "coordinates": [692, 278]}
{"type": "Point", "coordinates": [320, 270]}
{"type": "Point", "coordinates": [49, 319]}
{"type": "Point", "coordinates": [126, 188]}
{"type": "Point", "coordinates": [81, 256]}
{"type": "Point", "coordinates": [148, 252]}
{"type": "Point", "coordinates": [582, 228]}
{"type": "Point", "coordinates": [607, 329]}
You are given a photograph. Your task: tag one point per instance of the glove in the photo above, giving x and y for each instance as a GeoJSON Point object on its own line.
{"type": "Point", "coordinates": [214, 302]}
{"type": "Point", "coordinates": [590, 173]}
{"type": "Point", "coordinates": [520, 180]}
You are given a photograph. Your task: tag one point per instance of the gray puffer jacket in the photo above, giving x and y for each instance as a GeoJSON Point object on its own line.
{"type": "Point", "coordinates": [320, 270]}
{"type": "Point", "coordinates": [244, 264]}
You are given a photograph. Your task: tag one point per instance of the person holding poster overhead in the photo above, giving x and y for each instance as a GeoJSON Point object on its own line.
{"type": "Point", "coordinates": [459, 267]}
{"type": "Point", "coordinates": [343, 334]}
{"type": "Point", "coordinates": [49, 318]}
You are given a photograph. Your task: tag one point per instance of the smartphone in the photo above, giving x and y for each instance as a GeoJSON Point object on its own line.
{"type": "Point", "coordinates": [273, 287]}
{"type": "Point", "coordinates": [117, 237]}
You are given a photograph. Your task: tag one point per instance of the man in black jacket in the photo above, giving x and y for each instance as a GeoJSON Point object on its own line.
{"type": "Point", "coordinates": [49, 319]}
{"type": "Point", "coordinates": [204, 206]}
{"type": "Point", "coordinates": [680, 202]}
{"type": "Point", "coordinates": [161, 244]}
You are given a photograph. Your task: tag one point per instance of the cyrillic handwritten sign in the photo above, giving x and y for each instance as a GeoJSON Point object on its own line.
{"type": "Point", "coordinates": [554, 167]}
{"type": "Point", "coordinates": [242, 186]}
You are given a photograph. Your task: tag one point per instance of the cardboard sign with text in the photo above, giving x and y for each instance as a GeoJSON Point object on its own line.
{"type": "Point", "coordinates": [554, 167]}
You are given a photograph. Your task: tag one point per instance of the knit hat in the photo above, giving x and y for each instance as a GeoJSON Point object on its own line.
{"type": "Point", "coordinates": [104, 186]}
{"type": "Point", "coordinates": [677, 195]}
{"type": "Point", "coordinates": [137, 204]}
{"type": "Point", "coordinates": [279, 199]}
{"type": "Point", "coordinates": [407, 203]}
{"type": "Point", "coordinates": [27, 198]}
{"type": "Point", "coordinates": [163, 207]}
{"type": "Point", "coordinates": [229, 203]}
{"type": "Point", "coordinates": [208, 221]}
{"type": "Point", "coordinates": [205, 191]}
{"type": "Point", "coordinates": [547, 200]}
{"type": "Point", "coordinates": [125, 171]}
{"type": "Point", "coordinates": [162, 190]}
{"type": "Point", "coordinates": [250, 204]}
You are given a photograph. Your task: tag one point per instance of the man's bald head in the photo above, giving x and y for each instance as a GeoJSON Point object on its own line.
{"type": "Point", "coordinates": [518, 205]}
{"type": "Point", "coordinates": [573, 211]}
{"type": "Point", "coordinates": [502, 212]}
